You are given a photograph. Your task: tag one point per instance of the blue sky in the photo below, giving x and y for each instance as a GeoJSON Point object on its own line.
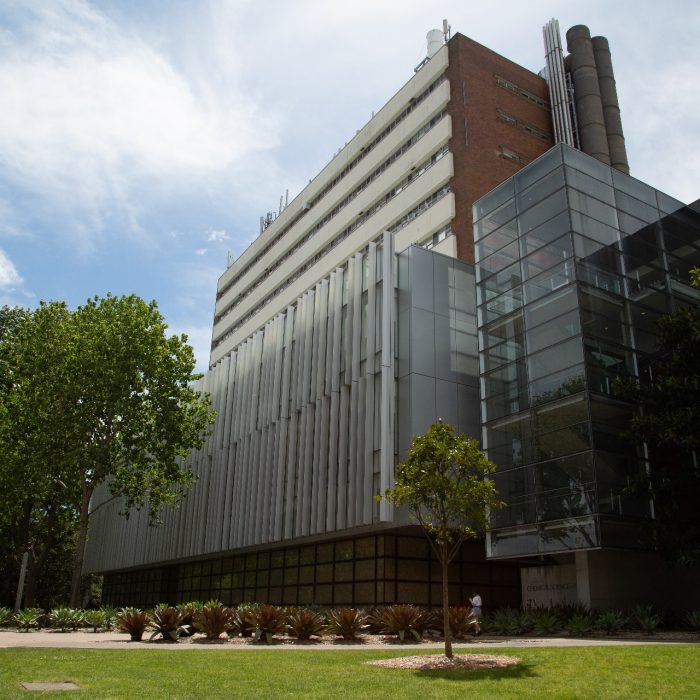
{"type": "Point", "coordinates": [141, 141]}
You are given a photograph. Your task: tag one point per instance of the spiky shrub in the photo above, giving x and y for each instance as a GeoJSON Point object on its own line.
{"type": "Point", "coordinates": [77, 618]}
{"type": "Point", "coordinates": [547, 623]}
{"type": "Point", "coordinates": [346, 622]}
{"type": "Point", "coordinates": [132, 621]}
{"type": "Point", "coordinates": [243, 620]}
{"type": "Point", "coordinates": [372, 626]}
{"type": "Point", "coordinates": [525, 622]}
{"type": "Point", "coordinates": [565, 611]}
{"type": "Point", "coordinates": [188, 612]}
{"type": "Point", "coordinates": [461, 621]}
{"type": "Point", "coordinates": [7, 616]}
{"type": "Point", "coordinates": [166, 622]}
{"type": "Point", "coordinates": [691, 620]}
{"type": "Point", "coordinates": [402, 620]}
{"type": "Point", "coordinates": [304, 623]}
{"type": "Point", "coordinates": [269, 620]}
{"type": "Point", "coordinates": [94, 619]}
{"type": "Point", "coordinates": [505, 621]}
{"type": "Point", "coordinates": [611, 621]}
{"type": "Point", "coordinates": [110, 616]}
{"type": "Point", "coordinates": [644, 618]}
{"type": "Point", "coordinates": [28, 618]}
{"type": "Point", "coordinates": [61, 618]}
{"type": "Point", "coordinates": [213, 620]}
{"type": "Point", "coordinates": [581, 625]}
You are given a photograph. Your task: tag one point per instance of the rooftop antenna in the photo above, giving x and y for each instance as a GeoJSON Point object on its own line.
{"type": "Point", "coordinates": [446, 30]}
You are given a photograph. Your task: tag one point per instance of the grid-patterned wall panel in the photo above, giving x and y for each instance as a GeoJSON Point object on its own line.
{"type": "Point", "coordinates": [303, 438]}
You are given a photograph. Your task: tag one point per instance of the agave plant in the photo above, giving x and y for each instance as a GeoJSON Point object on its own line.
{"type": "Point", "coordinates": [304, 623]}
{"type": "Point", "coordinates": [547, 622]}
{"type": "Point", "coordinates": [94, 619]}
{"type": "Point", "coordinates": [346, 622]}
{"type": "Point", "coordinates": [243, 622]}
{"type": "Point", "coordinates": [213, 619]}
{"type": "Point", "coordinates": [644, 618]}
{"type": "Point", "coordinates": [188, 612]}
{"type": "Point", "coordinates": [611, 621]}
{"type": "Point", "coordinates": [7, 617]}
{"type": "Point", "coordinates": [401, 620]}
{"type": "Point", "coordinates": [581, 625]}
{"type": "Point", "coordinates": [505, 621]}
{"type": "Point", "coordinates": [28, 618]}
{"type": "Point", "coordinates": [110, 616]}
{"type": "Point", "coordinates": [61, 618]}
{"type": "Point", "coordinates": [691, 620]}
{"type": "Point", "coordinates": [269, 620]}
{"type": "Point", "coordinates": [461, 621]}
{"type": "Point", "coordinates": [166, 622]}
{"type": "Point", "coordinates": [132, 621]}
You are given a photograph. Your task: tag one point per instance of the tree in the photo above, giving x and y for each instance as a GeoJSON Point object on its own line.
{"type": "Point", "coordinates": [109, 401]}
{"type": "Point", "coordinates": [669, 422]}
{"type": "Point", "coordinates": [444, 483]}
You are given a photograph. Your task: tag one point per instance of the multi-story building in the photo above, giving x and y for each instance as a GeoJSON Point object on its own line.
{"type": "Point", "coordinates": [349, 325]}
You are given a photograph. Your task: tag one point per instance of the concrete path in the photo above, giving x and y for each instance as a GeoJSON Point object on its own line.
{"type": "Point", "coordinates": [116, 640]}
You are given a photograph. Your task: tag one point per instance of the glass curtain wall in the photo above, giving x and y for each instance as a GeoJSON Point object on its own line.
{"type": "Point", "coordinates": [574, 264]}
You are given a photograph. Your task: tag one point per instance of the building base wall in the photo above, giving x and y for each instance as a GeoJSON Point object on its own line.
{"type": "Point", "coordinates": [380, 569]}
{"type": "Point", "coordinates": [612, 579]}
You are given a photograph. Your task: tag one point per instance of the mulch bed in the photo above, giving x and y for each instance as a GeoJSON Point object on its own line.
{"type": "Point", "coordinates": [440, 662]}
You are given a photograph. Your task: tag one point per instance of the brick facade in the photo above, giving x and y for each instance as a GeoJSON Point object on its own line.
{"type": "Point", "coordinates": [491, 126]}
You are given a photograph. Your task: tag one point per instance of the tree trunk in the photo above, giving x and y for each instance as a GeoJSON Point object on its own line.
{"type": "Point", "coordinates": [446, 601]}
{"type": "Point", "coordinates": [36, 564]}
{"type": "Point", "coordinates": [80, 548]}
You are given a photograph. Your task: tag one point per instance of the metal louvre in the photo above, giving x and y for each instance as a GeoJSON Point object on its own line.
{"type": "Point", "coordinates": [292, 452]}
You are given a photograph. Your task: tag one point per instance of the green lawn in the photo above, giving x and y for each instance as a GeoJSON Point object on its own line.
{"type": "Point", "coordinates": [659, 671]}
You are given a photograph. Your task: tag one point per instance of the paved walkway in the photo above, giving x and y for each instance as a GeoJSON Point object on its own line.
{"type": "Point", "coordinates": [116, 640]}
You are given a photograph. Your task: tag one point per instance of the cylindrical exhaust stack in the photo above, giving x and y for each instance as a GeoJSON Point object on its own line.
{"type": "Point", "coordinates": [611, 106]}
{"type": "Point", "coordinates": [589, 107]}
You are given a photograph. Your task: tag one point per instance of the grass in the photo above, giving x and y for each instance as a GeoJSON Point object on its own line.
{"type": "Point", "coordinates": [668, 671]}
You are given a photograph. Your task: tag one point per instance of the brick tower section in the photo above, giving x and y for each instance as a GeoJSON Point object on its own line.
{"type": "Point", "coordinates": [500, 122]}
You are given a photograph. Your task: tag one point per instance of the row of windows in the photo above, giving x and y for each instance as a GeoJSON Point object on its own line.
{"type": "Point", "coordinates": [401, 223]}
{"type": "Point", "coordinates": [320, 224]}
{"type": "Point", "coordinates": [391, 569]}
{"type": "Point", "coordinates": [332, 183]}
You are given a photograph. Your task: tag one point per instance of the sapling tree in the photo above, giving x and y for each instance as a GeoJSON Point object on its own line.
{"type": "Point", "coordinates": [444, 482]}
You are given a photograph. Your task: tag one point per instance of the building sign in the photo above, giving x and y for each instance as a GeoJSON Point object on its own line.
{"type": "Point", "coordinates": [548, 585]}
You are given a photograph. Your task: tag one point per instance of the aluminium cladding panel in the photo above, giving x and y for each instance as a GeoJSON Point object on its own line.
{"type": "Point", "coordinates": [415, 86]}
{"type": "Point", "coordinates": [388, 406]}
{"type": "Point", "coordinates": [368, 441]}
{"type": "Point", "coordinates": [414, 155]}
{"type": "Point", "coordinates": [419, 189]}
{"type": "Point", "coordinates": [430, 143]}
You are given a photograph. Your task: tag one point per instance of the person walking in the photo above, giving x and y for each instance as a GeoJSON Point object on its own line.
{"type": "Point", "coordinates": [475, 602]}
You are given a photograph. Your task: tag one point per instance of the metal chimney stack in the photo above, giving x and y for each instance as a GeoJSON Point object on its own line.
{"type": "Point", "coordinates": [611, 106]}
{"type": "Point", "coordinates": [592, 117]}
{"type": "Point", "coordinates": [589, 106]}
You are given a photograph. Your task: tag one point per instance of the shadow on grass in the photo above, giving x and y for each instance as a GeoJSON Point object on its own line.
{"type": "Point", "coordinates": [522, 670]}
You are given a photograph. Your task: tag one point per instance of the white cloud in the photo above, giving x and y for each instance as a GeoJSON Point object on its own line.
{"type": "Point", "coordinates": [9, 277]}
{"type": "Point", "coordinates": [218, 235]}
{"type": "Point", "coordinates": [92, 114]}
{"type": "Point", "coordinates": [200, 251]}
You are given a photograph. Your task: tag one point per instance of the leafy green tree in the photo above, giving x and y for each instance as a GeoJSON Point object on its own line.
{"type": "Point", "coordinates": [444, 481]}
{"type": "Point", "coordinates": [669, 422]}
{"type": "Point", "coordinates": [110, 401]}
{"type": "Point", "coordinates": [38, 512]}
